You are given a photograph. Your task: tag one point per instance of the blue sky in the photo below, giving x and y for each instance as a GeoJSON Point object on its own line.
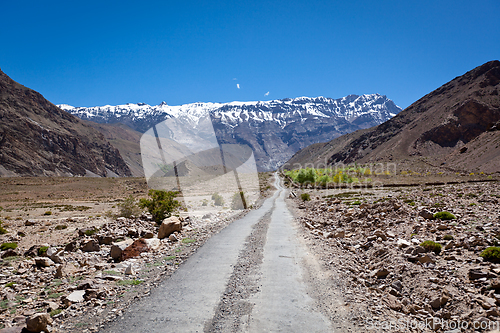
{"type": "Point", "coordinates": [88, 53]}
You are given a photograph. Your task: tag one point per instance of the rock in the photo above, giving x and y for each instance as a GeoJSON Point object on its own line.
{"type": "Point", "coordinates": [135, 249]}
{"type": "Point", "coordinates": [43, 262]}
{"type": "Point", "coordinates": [428, 258]}
{"type": "Point", "coordinates": [495, 284]}
{"type": "Point", "coordinates": [401, 243]}
{"type": "Point", "coordinates": [75, 297]}
{"type": "Point", "coordinates": [148, 234]}
{"type": "Point", "coordinates": [172, 238]}
{"type": "Point", "coordinates": [153, 243]}
{"type": "Point", "coordinates": [381, 234]}
{"type": "Point", "coordinates": [38, 322]}
{"type": "Point", "coordinates": [393, 303]}
{"type": "Point", "coordinates": [13, 329]}
{"type": "Point", "coordinates": [52, 306]}
{"type": "Point", "coordinates": [86, 284]}
{"type": "Point", "coordinates": [105, 239]}
{"type": "Point", "coordinates": [65, 270]}
{"type": "Point", "coordinates": [477, 273]}
{"type": "Point", "coordinates": [436, 303]}
{"type": "Point", "coordinates": [426, 214]}
{"type": "Point", "coordinates": [397, 285]}
{"type": "Point", "coordinates": [168, 226]}
{"type": "Point", "coordinates": [340, 233]}
{"type": "Point", "coordinates": [129, 270]}
{"type": "Point", "coordinates": [71, 247]}
{"type": "Point", "coordinates": [10, 253]}
{"type": "Point", "coordinates": [91, 246]}
{"type": "Point", "coordinates": [117, 248]}
{"type": "Point", "coordinates": [29, 223]}
{"type": "Point", "coordinates": [381, 273]}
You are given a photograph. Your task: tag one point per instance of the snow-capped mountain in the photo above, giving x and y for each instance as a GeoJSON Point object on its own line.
{"type": "Point", "coordinates": [274, 129]}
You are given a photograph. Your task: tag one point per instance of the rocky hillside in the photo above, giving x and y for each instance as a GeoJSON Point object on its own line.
{"type": "Point", "coordinates": [39, 139]}
{"type": "Point", "coordinates": [275, 130]}
{"type": "Point", "coordinates": [455, 126]}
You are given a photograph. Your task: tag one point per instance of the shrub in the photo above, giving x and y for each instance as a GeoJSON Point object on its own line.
{"type": "Point", "coordinates": [55, 312]}
{"type": "Point", "coordinates": [3, 231]}
{"type": "Point", "coordinates": [431, 246]}
{"type": "Point", "coordinates": [47, 213]}
{"type": "Point", "coordinates": [448, 237]}
{"type": "Point", "coordinates": [306, 176]}
{"type": "Point", "coordinates": [217, 198]}
{"type": "Point", "coordinates": [444, 216]}
{"type": "Point", "coordinates": [305, 196]}
{"type": "Point", "coordinates": [8, 246]}
{"type": "Point", "coordinates": [491, 253]}
{"type": "Point", "coordinates": [323, 180]}
{"type": "Point", "coordinates": [205, 202]}
{"type": "Point", "coordinates": [42, 250]}
{"type": "Point", "coordinates": [128, 207]}
{"type": "Point", "coordinates": [238, 202]}
{"type": "Point", "coordinates": [161, 205]}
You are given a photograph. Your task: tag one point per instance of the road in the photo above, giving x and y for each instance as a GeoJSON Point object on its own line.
{"type": "Point", "coordinates": [250, 277]}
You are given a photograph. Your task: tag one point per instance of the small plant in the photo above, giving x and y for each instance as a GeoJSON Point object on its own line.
{"type": "Point", "coordinates": [431, 246]}
{"type": "Point", "coordinates": [3, 231]}
{"type": "Point", "coordinates": [448, 237]}
{"type": "Point", "coordinates": [90, 232]}
{"type": "Point", "coordinates": [170, 258]}
{"type": "Point", "coordinates": [129, 282]}
{"type": "Point", "coordinates": [305, 196]}
{"type": "Point", "coordinates": [218, 200]}
{"type": "Point", "coordinates": [161, 205]}
{"type": "Point", "coordinates": [42, 250]}
{"type": "Point", "coordinates": [47, 213]}
{"type": "Point", "coordinates": [55, 312]}
{"type": "Point", "coordinates": [55, 295]}
{"type": "Point", "coordinates": [205, 202]}
{"type": "Point", "coordinates": [238, 202]}
{"type": "Point", "coordinates": [10, 284]}
{"type": "Point", "coordinates": [8, 246]}
{"type": "Point", "coordinates": [128, 207]}
{"type": "Point", "coordinates": [188, 240]}
{"type": "Point", "coordinates": [357, 202]}
{"type": "Point", "coordinates": [491, 253]}
{"type": "Point", "coordinates": [61, 227]}
{"type": "Point", "coordinates": [444, 216]}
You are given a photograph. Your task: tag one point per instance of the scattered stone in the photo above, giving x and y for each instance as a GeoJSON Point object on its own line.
{"type": "Point", "coordinates": [135, 249]}
{"type": "Point", "coordinates": [477, 273]}
{"type": "Point", "coordinates": [426, 214]}
{"type": "Point", "coordinates": [169, 226]}
{"type": "Point", "coordinates": [65, 270]}
{"type": "Point", "coordinates": [129, 270]}
{"type": "Point", "coordinates": [43, 262]}
{"type": "Point", "coordinates": [38, 322]}
{"type": "Point", "coordinates": [117, 248]}
{"type": "Point", "coordinates": [91, 246]}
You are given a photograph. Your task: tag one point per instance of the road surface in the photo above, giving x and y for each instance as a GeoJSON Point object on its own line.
{"type": "Point", "coordinates": [251, 277]}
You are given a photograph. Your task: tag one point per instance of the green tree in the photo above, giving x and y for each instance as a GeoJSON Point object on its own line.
{"type": "Point", "coordinates": [161, 205]}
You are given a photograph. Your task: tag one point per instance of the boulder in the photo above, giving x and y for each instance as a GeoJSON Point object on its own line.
{"type": "Point", "coordinates": [65, 270]}
{"type": "Point", "coordinates": [135, 249]}
{"type": "Point", "coordinates": [477, 273]}
{"type": "Point", "coordinates": [38, 322]}
{"type": "Point", "coordinates": [117, 248]}
{"type": "Point", "coordinates": [169, 226]}
{"type": "Point", "coordinates": [91, 246]}
{"type": "Point", "coordinates": [43, 262]}
{"type": "Point", "coordinates": [426, 214]}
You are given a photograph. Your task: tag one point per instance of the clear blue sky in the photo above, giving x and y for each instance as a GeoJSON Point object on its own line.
{"type": "Point", "coordinates": [88, 53]}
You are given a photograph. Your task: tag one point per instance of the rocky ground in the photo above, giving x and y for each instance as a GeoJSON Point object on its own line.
{"type": "Point", "coordinates": [372, 239]}
{"type": "Point", "coordinates": [72, 271]}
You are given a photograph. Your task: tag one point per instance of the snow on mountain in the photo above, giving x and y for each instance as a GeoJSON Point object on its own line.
{"type": "Point", "coordinates": [274, 129]}
{"type": "Point", "coordinates": [379, 108]}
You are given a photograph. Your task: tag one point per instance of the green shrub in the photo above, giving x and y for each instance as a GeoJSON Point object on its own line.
{"type": "Point", "coordinates": [444, 216]}
{"type": "Point", "coordinates": [491, 253]}
{"type": "Point", "coordinates": [42, 250]}
{"type": "Point", "coordinates": [90, 232]}
{"type": "Point", "coordinates": [55, 312]}
{"type": "Point", "coordinates": [205, 202]}
{"type": "Point", "coordinates": [161, 205]}
{"type": "Point", "coordinates": [8, 246]}
{"type": "Point", "coordinates": [306, 176]}
{"type": "Point", "coordinates": [431, 246]}
{"type": "Point", "coordinates": [357, 202]}
{"type": "Point", "coordinates": [323, 180]}
{"type": "Point", "coordinates": [238, 202]}
{"type": "Point", "coordinates": [10, 284]}
{"type": "Point", "coordinates": [305, 196]}
{"type": "Point", "coordinates": [47, 213]}
{"type": "Point", "coordinates": [448, 237]}
{"type": "Point", "coordinates": [128, 207]}
{"type": "Point", "coordinates": [218, 200]}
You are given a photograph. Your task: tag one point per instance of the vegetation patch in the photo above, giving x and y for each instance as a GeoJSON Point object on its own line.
{"type": "Point", "coordinates": [161, 205]}
{"type": "Point", "coordinates": [429, 245]}
{"type": "Point", "coordinates": [188, 240]}
{"type": "Point", "coordinates": [8, 246]}
{"type": "Point", "coordinates": [42, 250]}
{"type": "Point", "coordinates": [444, 216]}
{"type": "Point", "coordinates": [133, 282]}
{"type": "Point", "coordinates": [448, 237]}
{"type": "Point", "coordinates": [55, 312]}
{"type": "Point", "coordinates": [305, 196]}
{"type": "Point", "coordinates": [218, 200]}
{"type": "Point", "coordinates": [491, 253]}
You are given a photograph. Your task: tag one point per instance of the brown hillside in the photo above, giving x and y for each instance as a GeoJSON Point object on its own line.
{"type": "Point", "coordinates": [39, 139]}
{"type": "Point", "coordinates": [452, 126]}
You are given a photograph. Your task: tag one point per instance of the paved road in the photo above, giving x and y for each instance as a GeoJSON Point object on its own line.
{"type": "Point", "coordinates": [247, 278]}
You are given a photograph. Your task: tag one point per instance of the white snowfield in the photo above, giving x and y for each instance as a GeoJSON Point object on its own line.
{"type": "Point", "coordinates": [285, 111]}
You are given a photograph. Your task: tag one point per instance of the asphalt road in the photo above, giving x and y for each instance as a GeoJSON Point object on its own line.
{"type": "Point", "coordinates": [248, 278]}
